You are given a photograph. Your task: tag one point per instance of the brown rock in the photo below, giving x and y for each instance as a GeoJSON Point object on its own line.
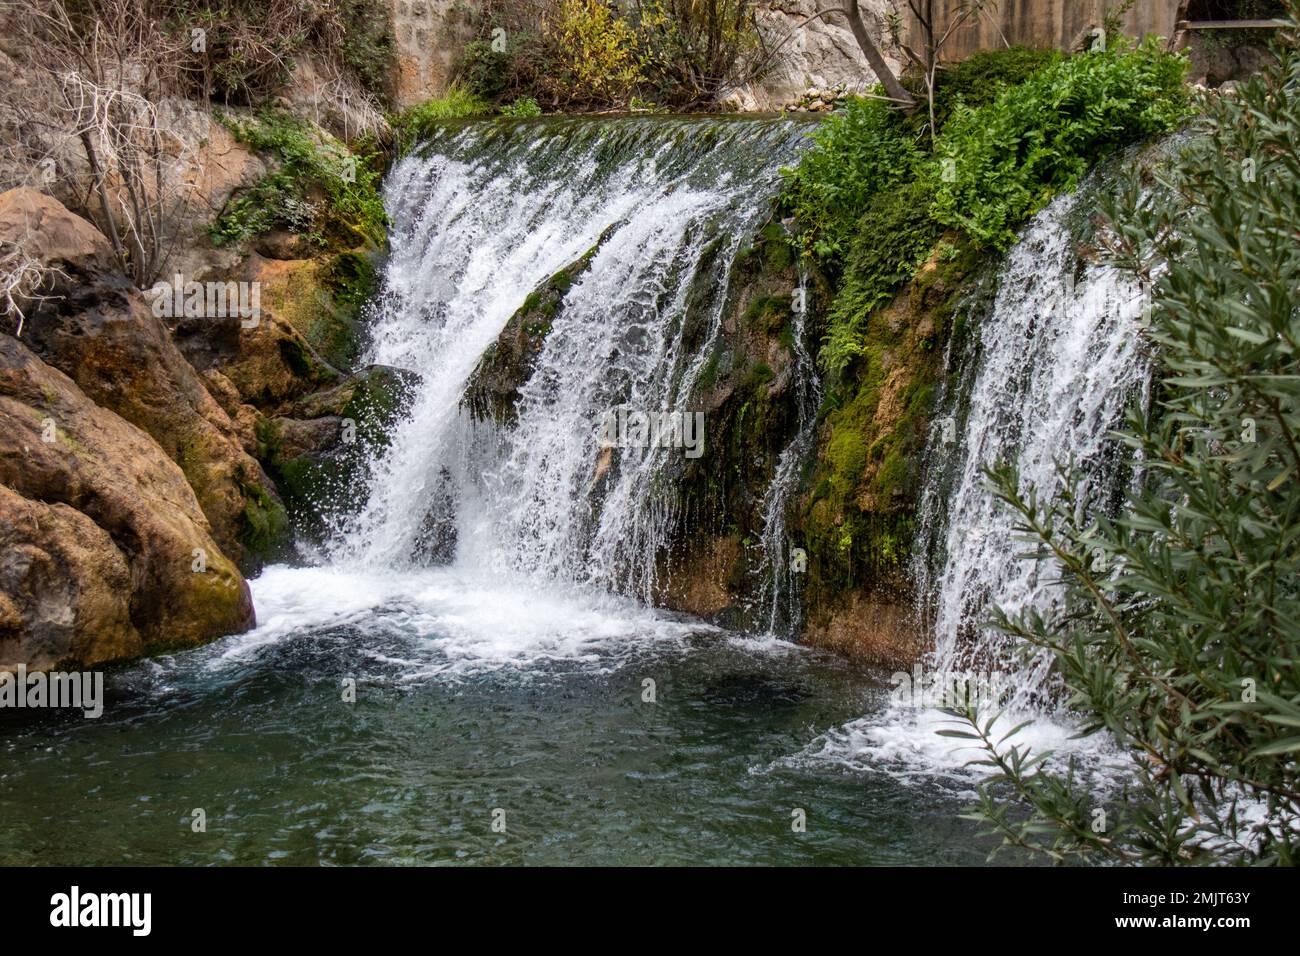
{"type": "Point", "coordinates": [64, 588]}
{"type": "Point", "coordinates": [274, 361]}
{"type": "Point", "coordinates": [57, 448]}
{"type": "Point", "coordinates": [102, 334]}
{"type": "Point", "coordinates": [49, 233]}
{"type": "Point", "coordinates": [871, 628]}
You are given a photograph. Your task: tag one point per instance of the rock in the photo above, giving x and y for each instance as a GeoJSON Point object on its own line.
{"type": "Point", "coordinates": [316, 452]}
{"type": "Point", "coordinates": [870, 628]}
{"type": "Point", "coordinates": [306, 332]}
{"type": "Point", "coordinates": [61, 454]}
{"type": "Point", "coordinates": [60, 241]}
{"type": "Point", "coordinates": [103, 336]}
{"type": "Point", "coordinates": [64, 588]}
{"type": "Point", "coordinates": [493, 388]}
{"type": "Point", "coordinates": [212, 166]}
{"type": "Point", "coordinates": [281, 244]}
{"type": "Point", "coordinates": [819, 57]}
{"type": "Point", "coordinates": [373, 396]}
{"type": "Point", "coordinates": [244, 417]}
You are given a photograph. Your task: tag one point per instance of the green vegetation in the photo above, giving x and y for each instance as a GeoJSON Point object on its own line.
{"type": "Point", "coordinates": [591, 55]}
{"type": "Point", "coordinates": [264, 524]}
{"type": "Point", "coordinates": [321, 189]}
{"type": "Point", "coordinates": [862, 152]}
{"type": "Point", "coordinates": [525, 106]}
{"type": "Point", "coordinates": [977, 80]}
{"type": "Point", "coordinates": [896, 235]}
{"type": "Point", "coordinates": [1179, 623]}
{"type": "Point", "coordinates": [1021, 126]}
{"type": "Point", "coordinates": [418, 122]}
{"type": "Point", "coordinates": [877, 208]}
{"type": "Point", "coordinates": [1002, 162]}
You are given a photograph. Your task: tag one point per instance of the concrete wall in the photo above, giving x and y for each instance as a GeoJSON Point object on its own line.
{"type": "Point", "coordinates": [1039, 23]}
{"type": "Point", "coordinates": [429, 35]}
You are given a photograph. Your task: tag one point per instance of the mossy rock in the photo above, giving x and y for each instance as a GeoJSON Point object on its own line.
{"type": "Point", "coordinates": [507, 364]}
{"type": "Point", "coordinates": [318, 453]}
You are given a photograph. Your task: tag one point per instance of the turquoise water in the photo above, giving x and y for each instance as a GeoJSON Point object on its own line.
{"type": "Point", "coordinates": [470, 698]}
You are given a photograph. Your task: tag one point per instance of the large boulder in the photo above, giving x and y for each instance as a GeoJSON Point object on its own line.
{"type": "Point", "coordinates": [812, 53]}
{"type": "Point", "coordinates": [68, 248]}
{"type": "Point", "coordinates": [101, 332]}
{"type": "Point", "coordinates": [65, 588]}
{"type": "Point", "coordinates": [95, 521]}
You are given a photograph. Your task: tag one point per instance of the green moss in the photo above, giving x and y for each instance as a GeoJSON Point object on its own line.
{"type": "Point", "coordinates": [264, 525]}
{"type": "Point", "coordinates": [321, 189]}
{"type": "Point", "coordinates": [767, 314]}
{"type": "Point", "coordinates": [709, 374]}
{"type": "Point", "coordinates": [894, 238]}
{"type": "Point", "coordinates": [417, 123]}
{"type": "Point", "coordinates": [299, 359]}
{"type": "Point", "coordinates": [846, 453]}
{"type": "Point", "coordinates": [774, 245]}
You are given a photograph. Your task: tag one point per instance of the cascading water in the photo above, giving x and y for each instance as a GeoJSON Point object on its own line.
{"type": "Point", "coordinates": [783, 599]}
{"type": "Point", "coordinates": [1057, 361]}
{"type": "Point", "coordinates": [483, 217]}
{"type": "Point", "coordinates": [1048, 373]}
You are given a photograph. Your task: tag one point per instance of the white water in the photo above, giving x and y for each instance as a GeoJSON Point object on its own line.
{"type": "Point", "coordinates": [1059, 361]}
{"type": "Point", "coordinates": [467, 624]}
{"type": "Point", "coordinates": [481, 222]}
{"type": "Point", "coordinates": [546, 530]}
{"type": "Point", "coordinates": [784, 612]}
{"type": "Point", "coordinates": [1055, 363]}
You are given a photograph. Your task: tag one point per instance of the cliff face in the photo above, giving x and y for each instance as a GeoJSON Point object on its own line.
{"type": "Point", "coordinates": [850, 515]}
{"type": "Point", "coordinates": [155, 451]}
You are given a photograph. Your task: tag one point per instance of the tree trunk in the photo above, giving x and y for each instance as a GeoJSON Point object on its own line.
{"type": "Point", "coordinates": [875, 59]}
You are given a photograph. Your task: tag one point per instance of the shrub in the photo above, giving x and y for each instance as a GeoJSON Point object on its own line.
{"type": "Point", "coordinates": [977, 80]}
{"type": "Point", "coordinates": [509, 74]}
{"type": "Point", "coordinates": [856, 155]}
{"type": "Point", "coordinates": [1179, 625]}
{"type": "Point", "coordinates": [1002, 162]}
{"type": "Point", "coordinates": [689, 50]}
{"type": "Point", "coordinates": [595, 53]}
{"type": "Point", "coordinates": [895, 235]}
{"type": "Point", "coordinates": [522, 107]}
{"type": "Point", "coordinates": [350, 210]}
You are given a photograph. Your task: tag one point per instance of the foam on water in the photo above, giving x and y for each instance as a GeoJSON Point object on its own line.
{"type": "Point", "coordinates": [457, 624]}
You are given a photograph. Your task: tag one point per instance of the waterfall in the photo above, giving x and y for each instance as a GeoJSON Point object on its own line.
{"type": "Point", "coordinates": [1043, 373]}
{"type": "Point", "coordinates": [784, 612]}
{"type": "Point", "coordinates": [1050, 371]}
{"type": "Point", "coordinates": [483, 215]}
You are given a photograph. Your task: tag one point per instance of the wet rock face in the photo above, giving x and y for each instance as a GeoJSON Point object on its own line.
{"type": "Point", "coordinates": [106, 551]}
{"type": "Point", "coordinates": [493, 388]}
{"type": "Point", "coordinates": [317, 450]}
